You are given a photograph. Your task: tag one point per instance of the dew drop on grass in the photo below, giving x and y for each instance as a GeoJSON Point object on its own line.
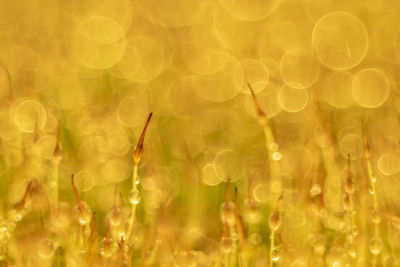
{"type": "Point", "coordinates": [274, 221]}
{"type": "Point", "coordinates": [227, 213]}
{"type": "Point", "coordinates": [352, 251]}
{"type": "Point", "coordinates": [115, 216]}
{"type": "Point", "coordinates": [275, 254]}
{"type": "Point", "coordinates": [375, 246]}
{"type": "Point", "coordinates": [16, 214]}
{"type": "Point", "coordinates": [375, 217]}
{"type": "Point", "coordinates": [315, 190]}
{"type": "Point", "coordinates": [134, 197]}
{"type": "Point", "coordinates": [106, 248]}
{"type": "Point", "coordinates": [45, 248]}
{"type": "Point", "coordinates": [226, 244]}
{"type": "Point", "coordinates": [82, 213]}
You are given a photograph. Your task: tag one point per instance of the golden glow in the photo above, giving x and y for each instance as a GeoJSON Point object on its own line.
{"type": "Point", "coordinates": [274, 137]}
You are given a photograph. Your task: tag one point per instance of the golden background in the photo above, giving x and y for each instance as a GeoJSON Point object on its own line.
{"type": "Point", "coordinates": [314, 154]}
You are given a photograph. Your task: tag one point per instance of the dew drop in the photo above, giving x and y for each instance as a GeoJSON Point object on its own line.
{"type": "Point", "coordinates": [227, 213]}
{"type": "Point", "coordinates": [375, 246]}
{"type": "Point", "coordinates": [315, 190]}
{"type": "Point", "coordinates": [275, 255]}
{"type": "Point", "coordinates": [106, 248]}
{"type": "Point", "coordinates": [82, 213]}
{"type": "Point", "coordinates": [274, 221]}
{"type": "Point", "coordinates": [115, 216]}
{"type": "Point", "coordinates": [45, 248]}
{"type": "Point", "coordinates": [226, 244]}
{"type": "Point", "coordinates": [134, 197]}
{"type": "Point", "coordinates": [375, 217]}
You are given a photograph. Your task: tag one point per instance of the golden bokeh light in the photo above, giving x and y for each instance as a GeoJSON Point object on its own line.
{"type": "Point", "coordinates": [370, 88]}
{"type": "Point", "coordinates": [242, 10]}
{"type": "Point", "coordinates": [98, 42]}
{"type": "Point", "coordinates": [293, 99]}
{"type": "Point", "coordinates": [340, 40]}
{"type": "Point", "coordinates": [337, 89]}
{"type": "Point", "coordinates": [299, 67]}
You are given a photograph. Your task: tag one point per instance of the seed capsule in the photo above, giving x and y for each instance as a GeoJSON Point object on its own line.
{"type": "Point", "coordinates": [261, 116]}
{"type": "Point", "coordinates": [274, 221]}
{"type": "Point", "coordinates": [138, 151]}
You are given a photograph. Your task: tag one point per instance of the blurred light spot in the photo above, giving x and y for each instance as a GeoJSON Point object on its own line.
{"type": "Point", "coordinates": [208, 175]}
{"type": "Point", "coordinates": [242, 10]}
{"type": "Point", "coordinates": [370, 88]}
{"type": "Point", "coordinates": [84, 180]}
{"type": "Point", "coordinates": [340, 40]}
{"type": "Point", "coordinates": [276, 156]}
{"type": "Point", "coordinates": [98, 42]}
{"type": "Point", "coordinates": [292, 99]}
{"type": "Point", "coordinates": [261, 193]}
{"type": "Point", "coordinates": [228, 165]}
{"type": "Point", "coordinates": [389, 164]}
{"type": "Point", "coordinates": [166, 13]}
{"type": "Point", "coordinates": [131, 111]}
{"type": "Point", "coordinates": [143, 60]}
{"type": "Point", "coordinates": [46, 145]}
{"type": "Point", "coordinates": [255, 73]}
{"type": "Point", "coordinates": [351, 145]}
{"type": "Point", "coordinates": [299, 67]}
{"type": "Point", "coordinates": [222, 85]}
{"type": "Point", "coordinates": [202, 59]}
{"type": "Point", "coordinates": [29, 115]}
{"type": "Point", "coordinates": [336, 89]}
{"type": "Point", "coordinates": [113, 171]}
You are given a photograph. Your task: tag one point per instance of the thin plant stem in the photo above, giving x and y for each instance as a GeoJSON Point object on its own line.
{"type": "Point", "coordinates": [133, 206]}
{"type": "Point", "coordinates": [272, 146]}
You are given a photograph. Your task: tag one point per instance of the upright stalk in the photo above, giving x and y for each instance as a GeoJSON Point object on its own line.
{"type": "Point", "coordinates": [349, 207]}
{"type": "Point", "coordinates": [134, 196]}
{"type": "Point", "coordinates": [274, 224]}
{"type": "Point", "coordinates": [375, 243]}
{"type": "Point", "coordinates": [55, 164]}
{"type": "Point", "coordinates": [272, 147]}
